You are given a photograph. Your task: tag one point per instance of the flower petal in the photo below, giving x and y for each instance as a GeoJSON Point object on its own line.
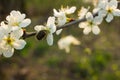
{"type": "Point", "coordinates": [102, 13]}
{"type": "Point", "coordinates": [16, 14]}
{"type": "Point", "coordinates": [87, 30]}
{"type": "Point", "coordinates": [14, 28]}
{"type": "Point", "coordinates": [95, 30]}
{"type": "Point", "coordinates": [89, 16]}
{"type": "Point", "coordinates": [50, 39]}
{"type": "Point", "coordinates": [59, 31]}
{"type": "Point", "coordinates": [61, 20]}
{"type": "Point", "coordinates": [51, 20]}
{"type": "Point", "coordinates": [82, 12]}
{"type": "Point", "coordinates": [25, 23]}
{"type": "Point", "coordinates": [52, 28]}
{"type": "Point", "coordinates": [6, 28]}
{"type": "Point", "coordinates": [2, 32]}
{"type": "Point", "coordinates": [116, 12]}
{"type": "Point", "coordinates": [19, 44]}
{"type": "Point", "coordinates": [102, 4]}
{"type": "Point", "coordinates": [39, 28]}
{"type": "Point", "coordinates": [8, 52]}
{"type": "Point", "coordinates": [56, 14]}
{"type": "Point", "coordinates": [113, 3]}
{"type": "Point", "coordinates": [109, 18]}
{"type": "Point", "coordinates": [16, 34]}
{"type": "Point", "coordinates": [98, 20]}
{"type": "Point", "coordinates": [51, 24]}
{"type": "Point", "coordinates": [70, 10]}
{"type": "Point", "coordinates": [83, 24]}
{"type": "Point", "coordinates": [95, 10]}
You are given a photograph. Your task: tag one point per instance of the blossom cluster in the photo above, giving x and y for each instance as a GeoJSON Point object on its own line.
{"type": "Point", "coordinates": [11, 30]}
{"type": "Point", "coordinates": [104, 9]}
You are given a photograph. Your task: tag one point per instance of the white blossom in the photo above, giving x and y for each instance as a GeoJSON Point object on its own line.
{"type": "Point", "coordinates": [50, 28]}
{"type": "Point", "coordinates": [82, 12]}
{"type": "Point", "coordinates": [64, 43]}
{"type": "Point", "coordinates": [61, 16]}
{"type": "Point", "coordinates": [91, 24]}
{"type": "Point", "coordinates": [109, 9]}
{"type": "Point", "coordinates": [17, 20]}
{"type": "Point", "coordinates": [10, 42]}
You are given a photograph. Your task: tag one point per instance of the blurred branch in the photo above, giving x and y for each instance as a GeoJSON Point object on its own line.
{"type": "Point", "coordinates": [29, 34]}
{"type": "Point", "coordinates": [71, 23]}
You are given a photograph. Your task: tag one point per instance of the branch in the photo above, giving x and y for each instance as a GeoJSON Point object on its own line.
{"type": "Point", "coordinates": [29, 34]}
{"type": "Point", "coordinates": [71, 23]}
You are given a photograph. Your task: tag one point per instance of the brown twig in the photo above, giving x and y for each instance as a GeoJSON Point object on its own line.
{"type": "Point", "coordinates": [29, 34]}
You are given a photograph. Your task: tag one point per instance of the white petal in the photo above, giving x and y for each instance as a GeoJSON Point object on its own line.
{"type": "Point", "coordinates": [82, 24]}
{"type": "Point", "coordinates": [52, 28]}
{"type": "Point", "coordinates": [102, 4]}
{"type": "Point", "coordinates": [113, 3]}
{"type": "Point", "coordinates": [96, 10]}
{"type": "Point", "coordinates": [51, 24]}
{"type": "Point", "coordinates": [102, 13]}
{"type": "Point", "coordinates": [14, 28]}
{"type": "Point", "coordinates": [61, 20]}
{"type": "Point", "coordinates": [17, 33]}
{"type": "Point", "coordinates": [50, 39]}
{"type": "Point", "coordinates": [59, 31]}
{"type": "Point", "coordinates": [82, 12]}
{"type": "Point", "coordinates": [6, 29]}
{"type": "Point", "coordinates": [87, 30]}
{"type": "Point", "coordinates": [17, 15]}
{"type": "Point", "coordinates": [19, 44]}
{"type": "Point", "coordinates": [21, 17]}
{"type": "Point", "coordinates": [70, 10]}
{"type": "Point", "coordinates": [98, 20]}
{"type": "Point", "coordinates": [1, 32]}
{"type": "Point", "coordinates": [95, 30]}
{"type": "Point", "coordinates": [39, 28]}
{"type": "Point", "coordinates": [25, 23]}
{"type": "Point", "coordinates": [116, 12]}
{"type": "Point", "coordinates": [89, 16]}
{"type": "Point", "coordinates": [8, 52]}
{"type": "Point", "coordinates": [8, 18]}
{"type": "Point", "coordinates": [51, 20]}
{"type": "Point", "coordinates": [109, 18]}
{"type": "Point", "coordinates": [56, 14]}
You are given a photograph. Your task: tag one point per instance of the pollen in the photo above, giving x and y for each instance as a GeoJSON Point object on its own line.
{"type": "Point", "coordinates": [15, 24]}
{"type": "Point", "coordinates": [110, 10]}
{"type": "Point", "coordinates": [91, 23]}
{"type": "Point", "coordinates": [9, 40]}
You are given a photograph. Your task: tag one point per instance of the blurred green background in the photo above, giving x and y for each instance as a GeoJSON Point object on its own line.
{"type": "Point", "coordinates": [97, 58]}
